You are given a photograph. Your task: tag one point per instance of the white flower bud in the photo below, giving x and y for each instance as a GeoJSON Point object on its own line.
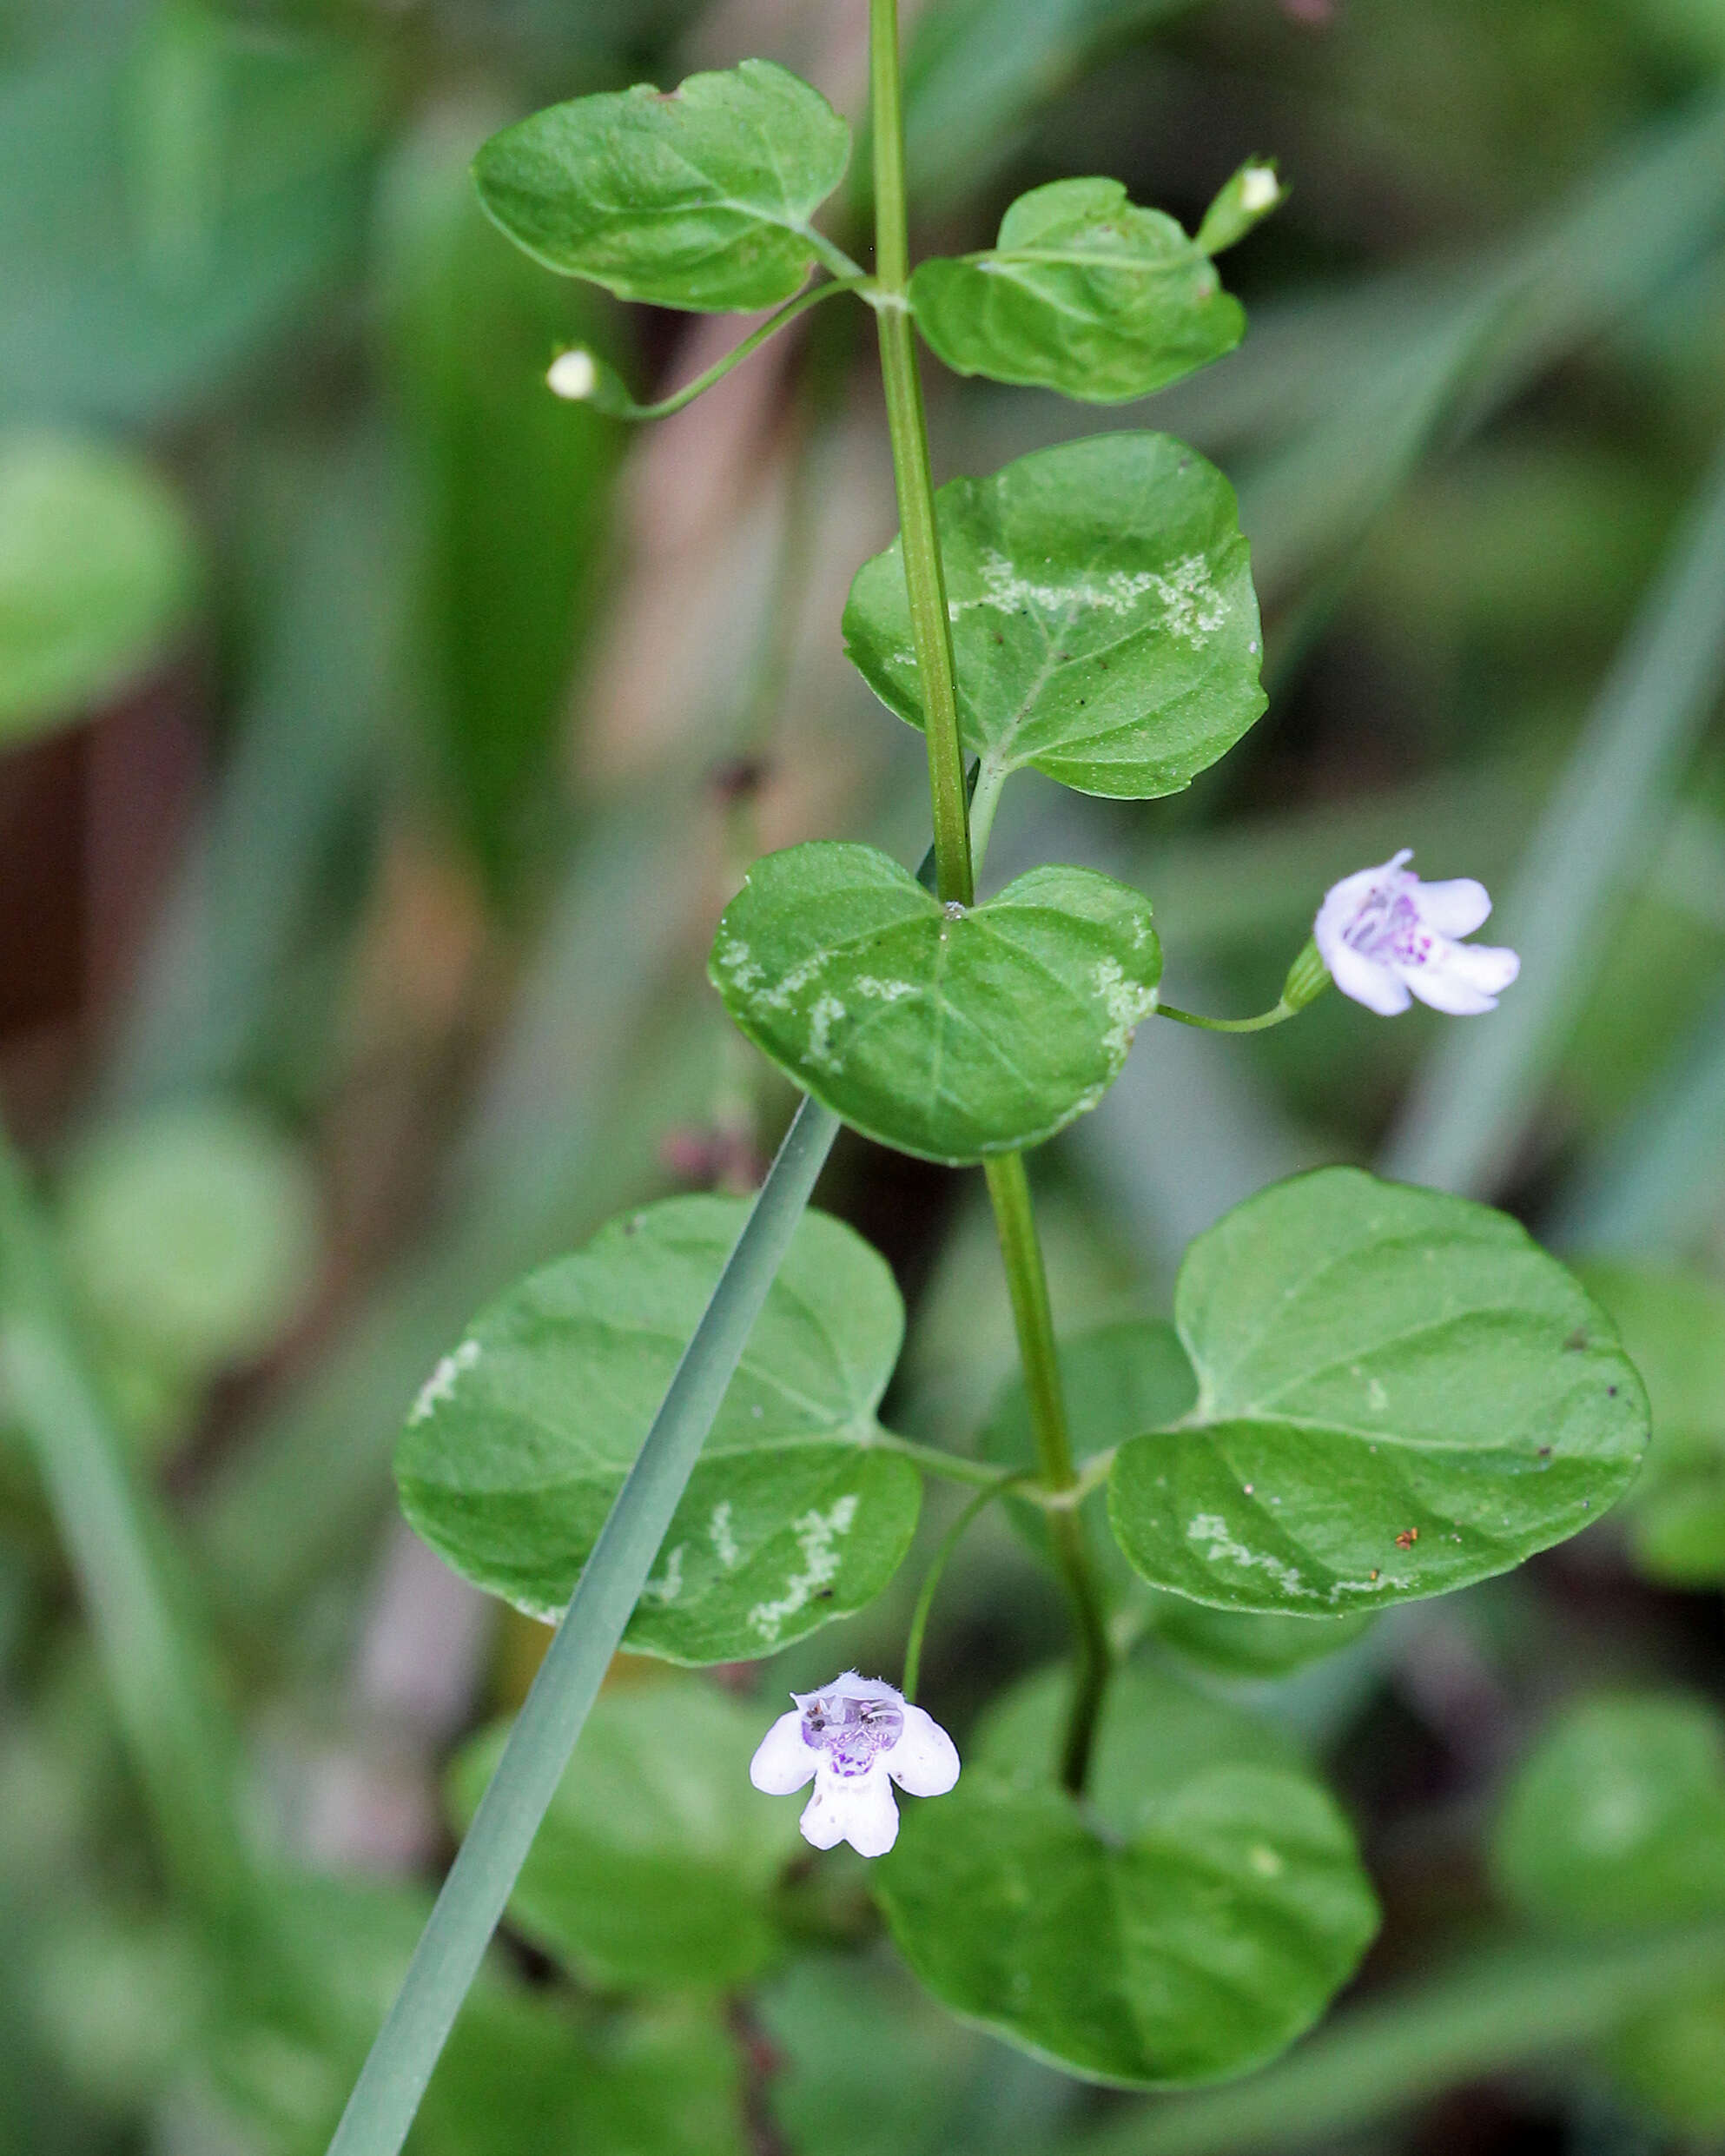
{"type": "Point", "coordinates": [574, 375]}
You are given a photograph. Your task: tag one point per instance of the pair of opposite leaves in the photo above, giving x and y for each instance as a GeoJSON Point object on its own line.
{"type": "Point", "coordinates": [1373, 1393]}
{"type": "Point", "coordinates": [703, 198]}
{"type": "Point", "coordinates": [1395, 1393]}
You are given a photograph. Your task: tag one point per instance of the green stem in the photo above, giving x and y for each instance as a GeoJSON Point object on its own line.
{"type": "Point", "coordinates": [134, 1587]}
{"type": "Point", "coordinates": [446, 1960]}
{"type": "Point", "coordinates": [1265, 1018]}
{"type": "Point", "coordinates": [608, 395]}
{"type": "Point", "coordinates": [950, 1466]}
{"type": "Point", "coordinates": [931, 634]}
{"type": "Point", "coordinates": [925, 583]}
{"type": "Point", "coordinates": [925, 1600]}
{"type": "Point", "coordinates": [1027, 1280]}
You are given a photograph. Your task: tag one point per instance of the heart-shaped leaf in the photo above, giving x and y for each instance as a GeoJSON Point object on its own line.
{"type": "Point", "coordinates": [1617, 1820]}
{"type": "Point", "coordinates": [1104, 625]}
{"type": "Point", "coordinates": [1185, 1924]}
{"type": "Point", "coordinates": [520, 1443]}
{"type": "Point", "coordinates": [1084, 293]}
{"type": "Point", "coordinates": [698, 198]}
{"type": "Point", "coordinates": [1400, 1393]}
{"type": "Point", "coordinates": [656, 1860]}
{"type": "Point", "coordinates": [949, 1032]}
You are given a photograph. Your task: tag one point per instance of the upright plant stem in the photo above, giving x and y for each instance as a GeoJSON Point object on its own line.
{"type": "Point", "coordinates": [1027, 1282]}
{"type": "Point", "coordinates": [930, 627]}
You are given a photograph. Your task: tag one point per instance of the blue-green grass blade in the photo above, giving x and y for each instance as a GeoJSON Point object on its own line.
{"type": "Point", "coordinates": [1477, 1095]}
{"type": "Point", "coordinates": [130, 1577]}
{"type": "Point", "coordinates": [1653, 1186]}
{"type": "Point", "coordinates": [381, 2110]}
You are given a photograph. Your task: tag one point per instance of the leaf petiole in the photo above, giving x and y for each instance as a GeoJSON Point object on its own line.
{"type": "Point", "coordinates": [581, 378]}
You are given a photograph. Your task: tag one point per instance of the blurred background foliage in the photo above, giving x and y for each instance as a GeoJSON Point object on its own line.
{"type": "Point", "coordinates": [378, 741]}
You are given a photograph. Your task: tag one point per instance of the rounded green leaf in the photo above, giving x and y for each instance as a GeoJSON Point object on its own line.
{"type": "Point", "coordinates": [1186, 1922]}
{"type": "Point", "coordinates": [657, 1859]}
{"type": "Point", "coordinates": [949, 1032]}
{"type": "Point", "coordinates": [97, 571]}
{"type": "Point", "coordinates": [1084, 293]}
{"type": "Point", "coordinates": [192, 1231]}
{"type": "Point", "coordinates": [520, 1440]}
{"type": "Point", "coordinates": [697, 198]}
{"type": "Point", "coordinates": [1400, 1393]}
{"type": "Point", "coordinates": [1104, 625]}
{"type": "Point", "coordinates": [1673, 1324]}
{"type": "Point", "coordinates": [1617, 1818]}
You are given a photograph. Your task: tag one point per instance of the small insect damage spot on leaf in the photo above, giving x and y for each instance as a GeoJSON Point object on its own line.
{"type": "Point", "coordinates": [1576, 1342]}
{"type": "Point", "coordinates": [1407, 1539]}
{"type": "Point", "coordinates": [1220, 1547]}
{"type": "Point", "coordinates": [828, 1011]}
{"type": "Point", "coordinates": [817, 1534]}
{"type": "Point", "coordinates": [668, 1585]}
{"type": "Point", "coordinates": [1126, 1003]}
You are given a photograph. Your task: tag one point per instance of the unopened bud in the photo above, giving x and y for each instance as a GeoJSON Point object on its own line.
{"type": "Point", "coordinates": [1253, 193]}
{"type": "Point", "coordinates": [574, 375]}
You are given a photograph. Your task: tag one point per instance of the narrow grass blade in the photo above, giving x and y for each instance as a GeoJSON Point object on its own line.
{"type": "Point", "coordinates": [1499, 2008]}
{"type": "Point", "coordinates": [381, 2110]}
{"type": "Point", "coordinates": [1656, 1187]}
{"type": "Point", "coordinates": [133, 1586]}
{"type": "Point", "coordinates": [1480, 1092]}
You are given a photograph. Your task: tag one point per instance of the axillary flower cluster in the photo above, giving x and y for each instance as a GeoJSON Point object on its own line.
{"type": "Point", "coordinates": [855, 1738]}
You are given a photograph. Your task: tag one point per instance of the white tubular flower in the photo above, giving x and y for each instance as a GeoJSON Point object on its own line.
{"type": "Point", "coordinates": [1383, 933]}
{"type": "Point", "coordinates": [855, 1736]}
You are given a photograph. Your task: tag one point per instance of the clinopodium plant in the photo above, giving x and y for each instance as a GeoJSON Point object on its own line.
{"type": "Point", "coordinates": [1370, 1393]}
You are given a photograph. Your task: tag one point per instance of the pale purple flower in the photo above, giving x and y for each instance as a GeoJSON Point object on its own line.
{"type": "Point", "coordinates": [855, 1736]}
{"type": "Point", "coordinates": [1383, 933]}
